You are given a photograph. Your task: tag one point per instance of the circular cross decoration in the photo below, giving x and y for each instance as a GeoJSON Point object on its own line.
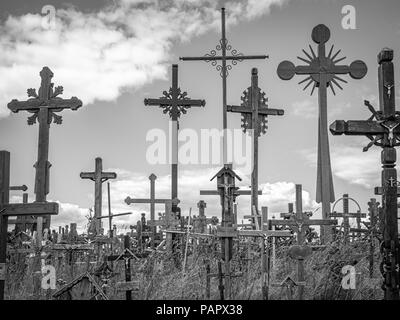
{"type": "Point", "coordinates": [320, 34]}
{"type": "Point", "coordinates": [286, 70]}
{"type": "Point", "coordinates": [299, 252]}
{"type": "Point", "coordinates": [358, 69]}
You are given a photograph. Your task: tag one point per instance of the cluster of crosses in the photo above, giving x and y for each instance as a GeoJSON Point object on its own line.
{"type": "Point", "coordinates": [321, 70]}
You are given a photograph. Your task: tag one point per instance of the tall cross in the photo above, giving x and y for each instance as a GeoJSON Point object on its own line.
{"type": "Point", "coordinates": [152, 201]}
{"type": "Point", "coordinates": [175, 103]}
{"type": "Point", "coordinates": [44, 105]}
{"type": "Point", "coordinates": [15, 209]}
{"type": "Point", "coordinates": [322, 71]}
{"type": "Point", "coordinates": [224, 68]}
{"type": "Point", "coordinates": [98, 177]}
{"type": "Point", "coordinates": [383, 129]}
{"type": "Point", "coordinates": [254, 110]}
{"type": "Point", "coordinates": [346, 215]}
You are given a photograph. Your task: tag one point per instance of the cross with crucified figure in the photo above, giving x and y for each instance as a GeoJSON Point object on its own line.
{"type": "Point", "coordinates": [322, 71]}
{"type": "Point", "coordinates": [44, 106]}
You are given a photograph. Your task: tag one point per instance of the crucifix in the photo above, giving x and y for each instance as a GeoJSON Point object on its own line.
{"type": "Point", "coordinates": [228, 192]}
{"type": "Point", "coordinates": [382, 128]}
{"type": "Point", "coordinates": [15, 209]}
{"type": "Point", "coordinates": [98, 177]}
{"type": "Point", "coordinates": [128, 286]}
{"type": "Point", "coordinates": [254, 111]}
{"type": "Point", "coordinates": [234, 56]}
{"type": "Point", "coordinates": [346, 215]}
{"type": "Point", "coordinates": [175, 103]}
{"type": "Point", "coordinates": [152, 201]}
{"type": "Point", "coordinates": [322, 70]}
{"type": "Point", "coordinates": [44, 105]}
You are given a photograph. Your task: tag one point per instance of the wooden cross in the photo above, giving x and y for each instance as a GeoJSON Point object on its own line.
{"type": "Point", "coordinates": [128, 286]}
{"type": "Point", "coordinates": [300, 221]}
{"type": "Point", "coordinates": [322, 70]}
{"type": "Point", "coordinates": [290, 213]}
{"type": "Point", "coordinates": [200, 223]}
{"type": "Point", "coordinates": [20, 222]}
{"type": "Point", "coordinates": [152, 201]}
{"type": "Point", "coordinates": [98, 177]}
{"type": "Point", "coordinates": [175, 103]}
{"type": "Point", "coordinates": [382, 128]}
{"type": "Point", "coordinates": [254, 110]}
{"type": "Point", "coordinates": [44, 105]}
{"type": "Point", "coordinates": [346, 215]}
{"type": "Point", "coordinates": [15, 209]}
{"type": "Point", "coordinates": [224, 68]}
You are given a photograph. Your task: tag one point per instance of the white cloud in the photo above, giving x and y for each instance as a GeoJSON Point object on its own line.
{"type": "Point", "coordinates": [98, 55]}
{"type": "Point", "coordinates": [306, 109]}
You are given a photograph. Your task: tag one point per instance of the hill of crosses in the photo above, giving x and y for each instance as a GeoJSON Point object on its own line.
{"type": "Point", "coordinates": [329, 245]}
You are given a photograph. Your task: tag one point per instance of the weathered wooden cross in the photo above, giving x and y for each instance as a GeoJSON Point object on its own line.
{"type": "Point", "coordinates": [254, 110]}
{"type": "Point", "coordinates": [152, 201]}
{"type": "Point", "coordinates": [224, 68]}
{"type": "Point", "coordinates": [383, 129]}
{"type": "Point", "coordinates": [346, 215]}
{"type": "Point", "coordinates": [175, 103]}
{"type": "Point", "coordinates": [322, 70]}
{"type": "Point", "coordinates": [44, 105]}
{"type": "Point", "coordinates": [15, 209]}
{"type": "Point", "coordinates": [98, 177]}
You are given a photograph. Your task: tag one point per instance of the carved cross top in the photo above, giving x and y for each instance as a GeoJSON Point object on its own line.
{"type": "Point", "coordinates": [174, 102]}
{"type": "Point", "coordinates": [47, 100]}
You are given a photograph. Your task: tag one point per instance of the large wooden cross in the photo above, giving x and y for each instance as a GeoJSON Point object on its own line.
{"type": "Point", "coordinates": [152, 201]}
{"type": "Point", "coordinates": [175, 103]}
{"type": "Point", "coordinates": [254, 110]}
{"type": "Point", "coordinates": [15, 209]}
{"type": "Point", "coordinates": [224, 68]}
{"type": "Point", "coordinates": [346, 215]}
{"type": "Point", "coordinates": [383, 129]}
{"type": "Point", "coordinates": [44, 105]}
{"type": "Point", "coordinates": [98, 177]}
{"type": "Point", "coordinates": [322, 71]}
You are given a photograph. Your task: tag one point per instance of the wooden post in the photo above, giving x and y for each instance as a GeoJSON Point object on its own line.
{"type": "Point", "coordinates": [382, 128]}
{"type": "Point", "coordinates": [254, 110]}
{"type": "Point", "coordinates": [322, 70]}
{"type": "Point", "coordinates": [44, 105]}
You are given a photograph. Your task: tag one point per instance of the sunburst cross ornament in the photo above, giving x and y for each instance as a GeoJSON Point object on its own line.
{"type": "Point", "coordinates": [322, 69]}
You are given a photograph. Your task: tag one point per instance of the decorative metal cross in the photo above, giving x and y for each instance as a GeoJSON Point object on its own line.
{"type": "Point", "coordinates": [175, 103]}
{"type": "Point", "coordinates": [152, 201]}
{"type": "Point", "coordinates": [254, 110]}
{"type": "Point", "coordinates": [322, 70]}
{"type": "Point", "coordinates": [224, 68]}
{"type": "Point", "coordinates": [382, 128]}
{"type": "Point", "coordinates": [98, 177]}
{"type": "Point", "coordinates": [15, 209]}
{"type": "Point", "coordinates": [346, 215]}
{"type": "Point", "coordinates": [44, 105]}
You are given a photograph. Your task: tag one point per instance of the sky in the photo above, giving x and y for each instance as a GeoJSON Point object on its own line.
{"type": "Point", "coordinates": [113, 54]}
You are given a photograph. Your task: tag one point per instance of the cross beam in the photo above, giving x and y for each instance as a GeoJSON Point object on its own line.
{"type": "Point", "coordinates": [234, 57]}
{"type": "Point", "coordinates": [98, 177]}
{"type": "Point", "coordinates": [322, 71]}
{"type": "Point", "coordinates": [44, 106]}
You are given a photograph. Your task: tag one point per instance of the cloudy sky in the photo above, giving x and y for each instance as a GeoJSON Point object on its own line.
{"type": "Point", "coordinates": [113, 54]}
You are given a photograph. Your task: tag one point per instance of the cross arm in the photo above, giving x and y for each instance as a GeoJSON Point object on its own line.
{"type": "Point", "coordinates": [129, 200]}
{"type": "Point", "coordinates": [350, 215]}
{"type": "Point", "coordinates": [57, 103]}
{"type": "Point", "coordinates": [379, 191]}
{"type": "Point", "coordinates": [19, 188]}
{"type": "Point", "coordinates": [87, 175]}
{"type": "Point", "coordinates": [30, 209]}
{"type": "Point", "coordinates": [213, 58]}
{"type": "Point", "coordinates": [28, 105]}
{"type": "Point", "coordinates": [261, 111]}
{"type": "Point", "coordinates": [266, 233]}
{"type": "Point", "coordinates": [115, 215]}
{"type": "Point", "coordinates": [108, 175]}
{"type": "Point", "coordinates": [358, 127]}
